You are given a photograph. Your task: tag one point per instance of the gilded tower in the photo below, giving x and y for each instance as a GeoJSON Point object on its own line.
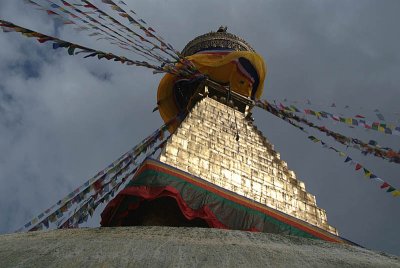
{"type": "Point", "coordinates": [217, 169]}
{"type": "Point", "coordinates": [219, 143]}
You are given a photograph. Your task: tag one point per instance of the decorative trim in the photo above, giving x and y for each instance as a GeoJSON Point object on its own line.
{"type": "Point", "coordinates": [156, 166]}
{"type": "Point", "coordinates": [216, 40]}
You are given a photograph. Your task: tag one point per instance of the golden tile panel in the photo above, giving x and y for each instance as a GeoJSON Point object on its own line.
{"type": "Point", "coordinates": [205, 145]}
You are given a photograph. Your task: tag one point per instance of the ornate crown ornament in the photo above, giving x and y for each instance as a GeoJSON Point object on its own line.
{"type": "Point", "coordinates": [218, 39]}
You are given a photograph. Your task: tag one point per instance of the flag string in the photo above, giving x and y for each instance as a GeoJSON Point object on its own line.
{"type": "Point", "coordinates": [164, 48]}
{"type": "Point", "coordinates": [140, 24]}
{"type": "Point", "coordinates": [58, 43]}
{"type": "Point", "coordinates": [331, 105]}
{"type": "Point", "coordinates": [88, 208]}
{"type": "Point", "coordinates": [98, 183]}
{"type": "Point", "coordinates": [265, 105]}
{"type": "Point", "coordinates": [97, 29]}
{"type": "Point", "coordinates": [356, 121]}
{"type": "Point", "coordinates": [371, 147]}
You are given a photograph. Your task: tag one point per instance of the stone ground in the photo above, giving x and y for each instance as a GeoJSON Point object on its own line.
{"type": "Point", "coordinates": [178, 247]}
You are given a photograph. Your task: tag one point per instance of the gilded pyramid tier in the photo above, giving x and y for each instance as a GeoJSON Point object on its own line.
{"type": "Point", "coordinates": [219, 144]}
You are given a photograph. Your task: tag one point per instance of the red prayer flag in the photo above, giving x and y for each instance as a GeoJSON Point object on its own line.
{"type": "Point", "coordinates": [391, 154]}
{"type": "Point", "coordinates": [88, 5]}
{"type": "Point", "coordinates": [98, 185]}
{"type": "Point", "coordinates": [385, 185]}
{"type": "Point", "coordinates": [44, 39]}
{"type": "Point", "coordinates": [51, 12]}
{"type": "Point", "coordinates": [359, 116]}
{"type": "Point", "coordinates": [358, 166]}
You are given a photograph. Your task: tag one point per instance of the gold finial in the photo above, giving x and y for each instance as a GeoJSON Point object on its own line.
{"type": "Point", "coordinates": [219, 39]}
{"type": "Point", "coordinates": [222, 29]}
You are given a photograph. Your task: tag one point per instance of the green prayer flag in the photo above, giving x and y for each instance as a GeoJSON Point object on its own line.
{"type": "Point", "coordinates": [391, 189]}
{"type": "Point", "coordinates": [71, 50]}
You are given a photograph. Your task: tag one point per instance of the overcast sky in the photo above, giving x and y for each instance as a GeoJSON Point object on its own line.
{"type": "Point", "coordinates": [63, 118]}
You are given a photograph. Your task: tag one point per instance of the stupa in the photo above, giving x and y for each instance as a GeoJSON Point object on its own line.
{"type": "Point", "coordinates": [217, 169]}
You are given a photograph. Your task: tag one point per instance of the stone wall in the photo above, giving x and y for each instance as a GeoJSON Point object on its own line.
{"type": "Point", "coordinates": [179, 247]}
{"type": "Point", "coordinates": [206, 145]}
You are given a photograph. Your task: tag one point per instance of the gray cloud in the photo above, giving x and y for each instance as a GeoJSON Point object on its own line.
{"type": "Point", "coordinates": [64, 118]}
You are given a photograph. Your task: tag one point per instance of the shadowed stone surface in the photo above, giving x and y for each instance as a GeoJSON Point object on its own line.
{"type": "Point", "coordinates": [178, 247]}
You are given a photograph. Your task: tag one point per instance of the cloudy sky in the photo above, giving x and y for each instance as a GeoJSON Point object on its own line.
{"type": "Point", "coordinates": [64, 118]}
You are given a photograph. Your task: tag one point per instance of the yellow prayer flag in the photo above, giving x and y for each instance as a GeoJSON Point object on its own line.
{"type": "Point", "coordinates": [342, 154]}
{"type": "Point", "coordinates": [64, 208]}
{"type": "Point", "coordinates": [29, 34]}
{"type": "Point", "coordinates": [52, 217]}
{"type": "Point", "coordinates": [396, 193]}
{"type": "Point", "coordinates": [349, 121]}
{"type": "Point", "coordinates": [381, 129]}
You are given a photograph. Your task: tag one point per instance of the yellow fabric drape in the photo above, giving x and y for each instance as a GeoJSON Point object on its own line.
{"type": "Point", "coordinates": [221, 68]}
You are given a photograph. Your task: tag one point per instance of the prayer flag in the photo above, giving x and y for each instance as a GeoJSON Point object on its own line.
{"type": "Point", "coordinates": [64, 208]}
{"type": "Point", "coordinates": [358, 166]}
{"type": "Point", "coordinates": [388, 131]}
{"type": "Point", "coordinates": [396, 193]}
{"type": "Point", "coordinates": [385, 185]}
{"type": "Point", "coordinates": [391, 189]}
{"type": "Point", "coordinates": [367, 173]}
{"type": "Point", "coordinates": [372, 142]}
{"type": "Point", "coordinates": [46, 222]}
{"type": "Point", "coordinates": [7, 29]}
{"type": "Point", "coordinates": [380, 116]}
{"type": "Point", "coordinates": [51, 12]}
